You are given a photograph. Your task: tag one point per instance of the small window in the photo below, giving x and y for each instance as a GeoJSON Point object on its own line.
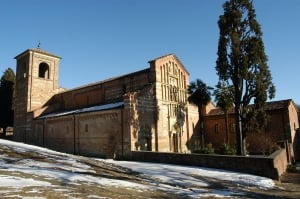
{"type": "Point", "coordinates": [44, 70]}
{"type": "Point", "coordinates": [86, 128]}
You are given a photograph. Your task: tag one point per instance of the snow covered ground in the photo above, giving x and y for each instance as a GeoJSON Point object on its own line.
{"type": "Point", "coordinates": [33, 169]}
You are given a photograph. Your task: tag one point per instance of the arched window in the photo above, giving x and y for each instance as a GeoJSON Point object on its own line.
{"type": "Point", "coordinates": [44, 70]}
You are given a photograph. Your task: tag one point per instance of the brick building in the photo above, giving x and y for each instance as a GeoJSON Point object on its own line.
{"type": "Point", "coordinates": [143, 110]}
{"type": "Point", "coordinates": [283, 125]}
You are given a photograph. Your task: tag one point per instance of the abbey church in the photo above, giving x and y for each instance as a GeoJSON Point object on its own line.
{"type": "Point", "coordinates": [146, 110]}
{"type": "Point", "coordinates": [143, 110]}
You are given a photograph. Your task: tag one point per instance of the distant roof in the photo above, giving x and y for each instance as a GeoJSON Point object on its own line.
{"type": "Point", "coordinates": [275, 105]}
{"type": "Point", "coordinates": [84, 110]}
{"type": "Point", "coordinates": [38, 50]}
{"type": "Point", "coordinates": [278, 104]}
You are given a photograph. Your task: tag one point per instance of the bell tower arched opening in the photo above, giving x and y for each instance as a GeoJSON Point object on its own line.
{"type": "Point", "coordinates": [44, 70]}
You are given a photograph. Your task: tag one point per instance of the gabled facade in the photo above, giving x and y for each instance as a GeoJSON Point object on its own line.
{"type": "Point", "coordinates": [143, 110]}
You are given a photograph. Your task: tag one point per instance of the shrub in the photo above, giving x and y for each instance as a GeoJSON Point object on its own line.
{"type": "Point", "coordinates": [205, 150]}
{"type": "Point", "coordinates": [291, 168]}
{"type": "Point", "coordinates": [226, 149]}
{"type": "Point", "coordinates": [260, 143]}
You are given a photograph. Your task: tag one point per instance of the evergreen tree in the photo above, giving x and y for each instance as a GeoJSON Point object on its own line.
{"type": "Point", "coordinates": [242, 63]}
{"type": "Point", "coordinates": [7, 84]}
{"type": "Point", "coordinates": [199, 95]}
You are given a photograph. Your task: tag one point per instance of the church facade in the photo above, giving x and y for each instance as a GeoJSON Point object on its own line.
{"type": "Point", "coordinates": [146, 110]}
{"type": "Point", "coordinates": [143, 110]}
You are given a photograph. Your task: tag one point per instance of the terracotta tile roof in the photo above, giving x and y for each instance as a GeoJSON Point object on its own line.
{"type": "Point", "coordinates": [275, 105]}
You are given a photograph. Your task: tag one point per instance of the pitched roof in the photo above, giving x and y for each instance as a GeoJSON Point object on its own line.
{"type": "Point", "coordinates": [38, 50]}
{"type": "Point", "coordinates": [173, 55]}
{"type": "Point", "coordinates": [275, 105]}
{"type": "Point", "coordinates": [107, 80]}
{"type": "Point", "coordinates": [85, 110]}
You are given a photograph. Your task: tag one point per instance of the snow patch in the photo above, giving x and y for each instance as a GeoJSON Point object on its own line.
{"type": "Point", "coordinates": [18, 182]}
{"type": "Point", "coordinates": [186, 181]}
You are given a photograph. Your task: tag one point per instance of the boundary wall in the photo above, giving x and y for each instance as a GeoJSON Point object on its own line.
{"type": "Point", "coordinates": [272, 166]}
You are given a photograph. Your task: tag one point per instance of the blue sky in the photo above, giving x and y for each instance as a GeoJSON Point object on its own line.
{"type": "Point", "coordinates": [100, 39]}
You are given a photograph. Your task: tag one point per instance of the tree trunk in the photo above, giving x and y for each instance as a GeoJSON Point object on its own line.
{"type": "Point", "coordinates": [201, 130]}
{"type": "Point", "coordinates": [227, 128]}
{"type": "Point", "coordinates": [244, 136]}
{"type": "Point", "coordinates": [244, 145]}
{"type": "Point", "coordinates": [238, 125]}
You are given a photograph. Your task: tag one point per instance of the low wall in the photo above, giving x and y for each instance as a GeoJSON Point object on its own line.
{"type": "Point", "coordinates": [271, 167]}
{"type": "Point", "coordinates": [280, 161]}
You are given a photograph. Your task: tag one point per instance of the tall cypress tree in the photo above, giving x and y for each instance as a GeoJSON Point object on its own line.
{"type": "Point", "coordinates": [242, 63]}
{"type": "Point", "coordinates": [7, 84]}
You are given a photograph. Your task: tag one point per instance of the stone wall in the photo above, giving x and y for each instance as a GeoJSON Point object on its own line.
{"type": "Point", "coordinates": [280, 160]}
{"type": "Point", "coordinates": [271, 167]}
{"type": "Point", "coordinates": [103, 92]}
{"type": "Point", "coordinates": [97, 134]}
{"type": "Point", "coordinates": [36, 82]}
{"type": "Point", "coordinates": [59, 133]}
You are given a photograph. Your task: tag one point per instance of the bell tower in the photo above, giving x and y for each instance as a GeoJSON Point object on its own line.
{"type": "Point", "coordinates": [37, 74]}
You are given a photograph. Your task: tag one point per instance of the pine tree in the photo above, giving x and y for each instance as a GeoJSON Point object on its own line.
{"type": "Point", "coordinates": [7, 84]}
{"type": "Point", "coordinates": [242, 63]}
